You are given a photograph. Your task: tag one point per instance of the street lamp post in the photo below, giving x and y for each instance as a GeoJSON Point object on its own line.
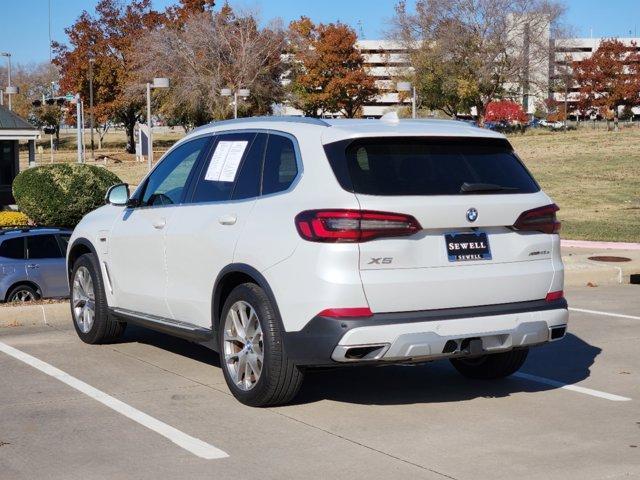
{"type": "Point", "coordinates": [91, 125]}
{"type": "Point", "coordinates": [158, 82]}
{"type": "Point", "coordinates": [408, 87]}
{"type": "Point", "coordinates": [79, 127]}
{"type": "Point", "coordinates": [10, 90]}
{"type": "Point", "coordinates": [236, 94]}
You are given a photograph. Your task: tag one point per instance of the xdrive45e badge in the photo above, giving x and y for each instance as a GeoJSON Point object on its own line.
{"type": "Point", "coordinates": [472, 214]}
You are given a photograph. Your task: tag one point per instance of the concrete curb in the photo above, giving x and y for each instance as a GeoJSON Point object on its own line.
{"type": "Point", "coordinates": [52, 314]}
{"type": "Point", "coordinates": [579, 270]}
{"type": "Point", "coordinates": [599, 245]}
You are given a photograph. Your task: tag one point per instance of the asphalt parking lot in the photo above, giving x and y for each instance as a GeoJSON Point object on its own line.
{"type": "Point", "coordinates": [153, 407]}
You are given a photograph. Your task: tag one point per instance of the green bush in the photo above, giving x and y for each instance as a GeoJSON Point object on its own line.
{"type": "Point", "coordinates": [61, 194]}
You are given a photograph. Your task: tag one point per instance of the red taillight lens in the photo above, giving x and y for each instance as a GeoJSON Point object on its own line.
{"type": "Point", "coordinates": [542, 219]}
{"type": "Point", "coordinates": [346, 312]}
{"type": "Point", "coordinates": [551, 296]}
{"type": "Point", "coordinates": [353, 225]}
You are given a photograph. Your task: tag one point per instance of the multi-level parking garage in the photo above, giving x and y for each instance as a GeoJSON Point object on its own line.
{"type": "Point", "coordinates": [387, 61]}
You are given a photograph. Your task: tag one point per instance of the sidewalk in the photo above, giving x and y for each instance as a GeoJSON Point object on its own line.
{"type": "Point", "coordinates": [580, 271]}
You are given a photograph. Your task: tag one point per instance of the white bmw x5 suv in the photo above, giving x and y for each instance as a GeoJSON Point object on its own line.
{"type": "Point", "coordinates": [289, 243]}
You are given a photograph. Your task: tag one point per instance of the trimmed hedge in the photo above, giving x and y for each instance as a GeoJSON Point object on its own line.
{"type": "Point", "coordinates": [13, 219]}
{"type": "Point", "coordinates": [61, 194]}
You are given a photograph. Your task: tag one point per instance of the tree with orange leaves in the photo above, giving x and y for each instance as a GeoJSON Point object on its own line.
{"type": "Point", "coordinates": [109, 38]}
{"type": "Point", "coordinates": [609, 79]}
{"type": "Point", "coordinates": [328, 74]}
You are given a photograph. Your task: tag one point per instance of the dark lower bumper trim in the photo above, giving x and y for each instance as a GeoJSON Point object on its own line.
{"type": "Point", "coordinates": [314, 344]}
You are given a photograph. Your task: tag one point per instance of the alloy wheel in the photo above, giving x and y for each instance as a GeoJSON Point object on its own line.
{"type": "Point", "coordinates": [243, 345]}
{"type": "Point", "coordinates": [23, 296]}
{"type": "Point", "coordinates": [83, 300]}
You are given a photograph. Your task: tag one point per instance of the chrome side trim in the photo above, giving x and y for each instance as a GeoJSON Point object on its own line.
{"type": "Point", "coordinates": [163, 324]}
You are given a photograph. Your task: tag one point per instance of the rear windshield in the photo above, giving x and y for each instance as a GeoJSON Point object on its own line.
{"type": "Point", "coordinates": [419, 166]}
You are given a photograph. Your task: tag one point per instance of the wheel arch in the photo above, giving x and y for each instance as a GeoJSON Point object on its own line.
{"type": "Point", "coordinates": [80, 246]}
{"type": "Point", "coordinates": [230, 277]}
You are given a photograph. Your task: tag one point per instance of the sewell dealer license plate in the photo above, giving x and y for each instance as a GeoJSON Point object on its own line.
{"type": "Point", "coordinates": [467, 246]}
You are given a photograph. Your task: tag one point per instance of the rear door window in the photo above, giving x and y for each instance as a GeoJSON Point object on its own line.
{"type": "Point", "coordinates": [419, 166]}
{"type": "Point", "coordinates": [12, 248]}
{"type": "Point", "coordinates": [63, 239]}
{"type": "Point", "coordinates": [248, 182]}
{"type": "Point", "coordinates": [43, 246]}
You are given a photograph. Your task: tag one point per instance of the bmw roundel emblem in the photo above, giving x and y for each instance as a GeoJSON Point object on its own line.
{"type": "Point", "coordinates": [472, 214]}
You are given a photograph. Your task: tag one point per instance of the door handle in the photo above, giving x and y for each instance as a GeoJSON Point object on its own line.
{"type": "Point", "coordinates": [33, 265]}
{"type": "Point", "coordinates": [228, 220]}
{"type": "Point", "coordinates": [159, 224]}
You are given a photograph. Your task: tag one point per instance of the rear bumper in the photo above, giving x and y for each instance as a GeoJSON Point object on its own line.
{"type": "Point", "coordinates": [427, 335]}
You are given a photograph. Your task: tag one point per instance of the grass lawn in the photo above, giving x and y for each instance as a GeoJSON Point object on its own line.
{"type": "Point", "coordinates": [593, 175]}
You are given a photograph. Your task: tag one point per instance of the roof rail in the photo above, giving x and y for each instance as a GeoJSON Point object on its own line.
{"type": "Point", "coordinates": [28, 228]}
{"type": "Point", "coordinates": [275, 118]}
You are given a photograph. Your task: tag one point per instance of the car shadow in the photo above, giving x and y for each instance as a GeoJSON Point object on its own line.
{"type": "Point", "coordinates": [185, 348]}
{"type": "Point", "coordinates": [568, 361]}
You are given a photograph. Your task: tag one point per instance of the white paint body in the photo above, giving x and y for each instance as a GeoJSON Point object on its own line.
{"type": "Point", "coordinates": [171, 271]}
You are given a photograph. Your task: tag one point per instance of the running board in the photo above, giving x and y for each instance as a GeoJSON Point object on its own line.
{"type": "Point", "coordinates": [164, 325]}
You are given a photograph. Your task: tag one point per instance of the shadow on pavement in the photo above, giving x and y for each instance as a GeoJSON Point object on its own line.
{"type": "Point", "coordinates": [568, 361]}
{"type": "Point", "coordinates": [175, 345]}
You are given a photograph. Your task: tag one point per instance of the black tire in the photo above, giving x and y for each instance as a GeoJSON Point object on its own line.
{"type": "Point", "coordinates": [16, 294]}
{"type": "Point", "coordinates": [280, 378]}
{"type": "Point", "coordinates": [104, 329]}
{"type": "Point", "coordinates": [495, 365]}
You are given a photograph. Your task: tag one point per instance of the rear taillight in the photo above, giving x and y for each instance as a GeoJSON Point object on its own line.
{"type": "Point", "coordinates": [542, 219]}
{"type": "Point", "coordinates": [551, 296]}
{"type": "Point", "coordinates": [353, 225]}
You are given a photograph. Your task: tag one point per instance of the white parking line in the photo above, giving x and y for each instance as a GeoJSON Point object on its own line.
{"type": "Point", "coordinates": [574, 388]}
{"type": "Point", "coordinates": [189, 443]}
{"type": "Point", "coordinates": [609, 314]}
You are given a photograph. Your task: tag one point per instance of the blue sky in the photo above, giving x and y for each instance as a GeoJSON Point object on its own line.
{"type": "Point", "coordinates": [24, 23]}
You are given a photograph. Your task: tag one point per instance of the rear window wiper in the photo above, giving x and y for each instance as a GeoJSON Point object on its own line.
{"type": "Point", "coordinates": [484, 188]}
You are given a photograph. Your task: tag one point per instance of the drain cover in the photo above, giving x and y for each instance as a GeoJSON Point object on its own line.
{"type": "Point", "coordinates": [609, 258]}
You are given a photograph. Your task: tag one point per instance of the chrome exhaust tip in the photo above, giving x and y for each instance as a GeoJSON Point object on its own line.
{"type": "Point", "coordinates": [359, 353]}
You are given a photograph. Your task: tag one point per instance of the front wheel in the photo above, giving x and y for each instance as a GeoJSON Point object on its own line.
{"type": "Point", "coordinates": [492, 366]}
{"type": "Point", "coordinates": [89, 303]}
{"type": "Point", "coordinates": [254, 362]}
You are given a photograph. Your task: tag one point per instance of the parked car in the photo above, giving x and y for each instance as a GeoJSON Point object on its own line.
{"type": "Point", "coordinates": [291, 243]}
{"type": "Point", "coordinates": [32, 264]}
{"type": "Point", "coordinates": [557, 125]}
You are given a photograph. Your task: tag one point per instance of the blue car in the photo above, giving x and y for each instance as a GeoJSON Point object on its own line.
{"type": "Point", "coordinates": [32, 264]}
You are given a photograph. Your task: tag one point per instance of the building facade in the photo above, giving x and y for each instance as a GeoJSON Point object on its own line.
{"type": "Point", "coordinates": [567, 51]}
{"type": "Point", "coordinates": [388, 61]}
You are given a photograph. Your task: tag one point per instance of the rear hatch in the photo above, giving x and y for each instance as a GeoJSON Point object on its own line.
{"type": "Point", "coordinates": [466, 195]}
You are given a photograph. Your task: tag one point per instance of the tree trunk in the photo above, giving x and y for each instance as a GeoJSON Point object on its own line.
{"type": "Point", "coordinates": [616, 127]}
{"type": "Point", "coordinates": [131, 143]}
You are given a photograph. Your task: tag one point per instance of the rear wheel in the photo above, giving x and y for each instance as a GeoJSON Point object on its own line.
{"type": "Point", "coordinates": [254, 363]}
{"type": "Point", "coordinates": [495, 365]}
{"type": "Point", "coordinates": [89, 304]}
{"type": "Point", "coordinates": [23, 293]}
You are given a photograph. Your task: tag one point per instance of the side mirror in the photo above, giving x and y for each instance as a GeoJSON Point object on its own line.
{"type": "Point", "coordinates": [118, 195]}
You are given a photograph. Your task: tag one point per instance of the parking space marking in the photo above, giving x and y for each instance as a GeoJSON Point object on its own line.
{"type": "Point", "coordinates": [189, 443]}
{"type": "Point", "coordinates": [597, 312]}
{"type": "Point", "coordinates": [573, 388]}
